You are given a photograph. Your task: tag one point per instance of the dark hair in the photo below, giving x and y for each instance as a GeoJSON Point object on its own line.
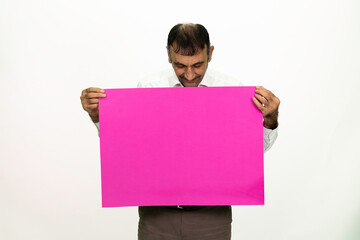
{"type": "Point", "coordinates": [189, 39]}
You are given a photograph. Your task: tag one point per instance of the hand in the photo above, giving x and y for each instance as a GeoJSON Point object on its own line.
{"type": "Point", "coordinates": [90, 101]}
{"type": "Point", "coordinates": [268, 104]}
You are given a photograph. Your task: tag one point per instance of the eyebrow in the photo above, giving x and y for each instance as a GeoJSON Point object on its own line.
{"type": "Point", "coordinates": [178, 63]}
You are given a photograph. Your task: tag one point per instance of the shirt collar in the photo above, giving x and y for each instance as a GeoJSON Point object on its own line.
{"type": "Point", "coordinates": [205, 82]}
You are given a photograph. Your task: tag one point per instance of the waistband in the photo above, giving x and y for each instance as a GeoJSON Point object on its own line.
{"type": "Point", "coordinates": [186, 208]}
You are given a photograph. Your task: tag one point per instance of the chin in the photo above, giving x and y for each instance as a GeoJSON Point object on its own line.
{"type": "Point", "coordinates": [191, 85]}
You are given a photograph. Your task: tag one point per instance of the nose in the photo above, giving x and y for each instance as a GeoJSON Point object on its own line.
{"type": "Point", "coordinates": [189, 74]}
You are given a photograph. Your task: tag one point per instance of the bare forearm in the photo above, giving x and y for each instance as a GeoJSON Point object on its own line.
{"type": "Point", "coordinates": [271, 122]}
{"type": "Point", "coordinates": [95, 119]}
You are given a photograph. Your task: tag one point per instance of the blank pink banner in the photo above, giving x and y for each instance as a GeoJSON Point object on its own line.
{"type": "Point", "coordinates": [181, 146]}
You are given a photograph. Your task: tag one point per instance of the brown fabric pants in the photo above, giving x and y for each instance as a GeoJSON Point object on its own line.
{"type": "Point", "coordinates": [163, 223]}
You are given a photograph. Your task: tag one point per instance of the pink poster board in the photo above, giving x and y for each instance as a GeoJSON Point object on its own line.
{"type": "Point", "coordinates": [181, 146]}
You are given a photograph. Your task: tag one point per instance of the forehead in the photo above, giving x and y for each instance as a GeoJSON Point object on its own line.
{"type": "Point", "coordinates": [200, 55]}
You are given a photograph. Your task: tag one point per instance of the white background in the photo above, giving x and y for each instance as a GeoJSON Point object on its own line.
{"type": "Point", "coordinates": [307, 52]}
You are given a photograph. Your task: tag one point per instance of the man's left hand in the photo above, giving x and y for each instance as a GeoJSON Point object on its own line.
{"type": "Point", "coordinates": [268, 104]}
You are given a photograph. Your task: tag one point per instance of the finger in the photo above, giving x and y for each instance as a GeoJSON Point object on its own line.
{"type": "Point", "coordinates": [94, 89]}
{"type": "Point", "coordinates": [92, 101]}
{"type": "Point", "coordinates": [91, 106]}
{"type": "Point", "coordinates": [95, 95]}
{"type": "Point", "coordinates": [263, 92]}
{"type": "Point", "coordinates": [83, 93]}
{"type": "Point", "coordinates": [91, 90]}
{"type": "Point", "coordinates": [268, 96]}
{"type": "Point", "coordinates": [258, 104]}
{"type": "Point", "coordinates": [261, 99]}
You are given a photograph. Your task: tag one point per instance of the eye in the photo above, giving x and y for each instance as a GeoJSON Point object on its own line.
{"type": "Point", "coordinates": [180, 66]}
{"type": "Point", "coordinates": [197, 65]}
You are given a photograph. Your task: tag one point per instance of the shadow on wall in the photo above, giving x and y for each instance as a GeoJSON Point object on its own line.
{"type": "Point", "coordinates": [354, 231]}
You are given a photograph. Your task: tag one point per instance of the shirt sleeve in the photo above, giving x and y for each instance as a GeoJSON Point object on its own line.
{"type": "Point", "coordinates": [269, 137]}
{"type": "Point", "coordinates": [98, 128]}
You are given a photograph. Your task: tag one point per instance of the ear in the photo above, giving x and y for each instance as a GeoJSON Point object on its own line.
{"type": "Point", "coordinates": [211, 52]}
{"type": "Point", "coordinates": [169, 55]}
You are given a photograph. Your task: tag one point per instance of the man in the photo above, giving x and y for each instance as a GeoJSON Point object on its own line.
{"type": "Point", "coordinates": [189, 52]}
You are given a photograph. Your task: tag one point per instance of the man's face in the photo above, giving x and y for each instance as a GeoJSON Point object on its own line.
{"type": "Point", "coordinates": [190, 70]}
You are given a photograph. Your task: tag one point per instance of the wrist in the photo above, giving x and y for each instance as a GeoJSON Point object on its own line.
{"type": "Point", "coordinates": [271, 122]}
{"type": "Point", "coordinates": [95, 118]}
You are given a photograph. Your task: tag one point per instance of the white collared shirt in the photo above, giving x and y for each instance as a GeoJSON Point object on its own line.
{"type": "Point", "coordinates": [212, 78]}
{"type": "Point", "coordinates": [168, 78]}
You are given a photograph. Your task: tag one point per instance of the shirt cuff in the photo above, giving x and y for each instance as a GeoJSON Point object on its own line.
{"type": "Point", "coordinates": [270, 136]}
{"type": "Point", "coordinates": [98, 127]}
{"type": "Point", "coordinates": [269, 132]}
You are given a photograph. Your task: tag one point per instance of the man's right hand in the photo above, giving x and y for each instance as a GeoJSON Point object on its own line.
{"type": "Point", "coordinates": [90, 101]}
